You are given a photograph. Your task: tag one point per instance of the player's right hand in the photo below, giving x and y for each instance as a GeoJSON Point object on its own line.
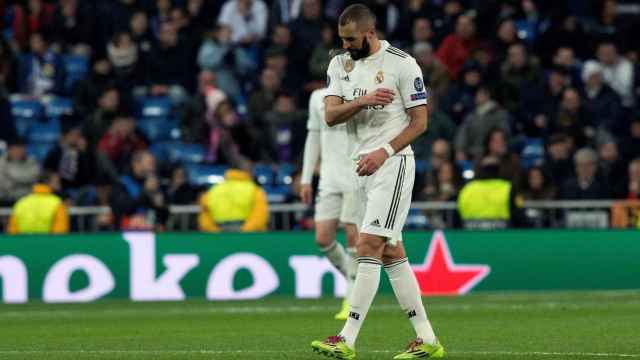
{"type": "Point", "coordinates": [306, 193]}
{"type": "Point", "coordinates": [381, 96]}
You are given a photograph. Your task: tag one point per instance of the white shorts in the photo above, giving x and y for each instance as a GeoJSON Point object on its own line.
{"type": "Point", "coordinates": [386, 197]}
{"type": "Point", "coordinates": [332, 205]}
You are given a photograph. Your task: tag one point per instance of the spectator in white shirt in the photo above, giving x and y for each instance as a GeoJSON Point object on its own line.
{"type": "Point", "coordinates": [617, 72]}
{"type": "Point", "coordinates": [246, 18]}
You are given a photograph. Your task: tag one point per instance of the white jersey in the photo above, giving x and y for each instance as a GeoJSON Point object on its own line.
{"type": "Point", "coordinates": [390, 68]}
{"type": "Point", "coordinates": [335, 166]}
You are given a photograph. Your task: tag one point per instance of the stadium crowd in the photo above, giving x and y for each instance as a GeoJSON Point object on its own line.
{"type": "Point", "coordinates": [138, 104]}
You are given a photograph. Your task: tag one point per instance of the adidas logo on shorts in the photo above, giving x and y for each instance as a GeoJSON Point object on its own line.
{"type": "Point", "coordinates": [375, 222]}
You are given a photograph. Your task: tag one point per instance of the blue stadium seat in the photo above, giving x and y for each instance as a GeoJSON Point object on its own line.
{"type": "Point", "coordinates": [284, 174]}
{"type": "Point", "coordinates": [44, 132]}
{"type": "Point", "coordinates": [204, 175]}
{"type": "Point", "coordinates": [58, 106]}
{"type": "Point", "coordinates": [533, 153]}
{"type": "Point", "coordinates": [155, 129]}
{"type": "Point", "coordinates": [278, 193]}
{"type": "Point", "coordinates": [416, 220]}
{"type": "Point", "coordinates": [185, 153]}
{"type": "Point", "coordinates": [422, 166]}
{"type": "Point", "coordinates": [263, 174]}
{"type": "Point", "coordinates": [154, 107]}
{"type": "Point", "coordinates": [76, 67]}
{"type": "Point", "coordinates": [466, 167]}
{"type": "Point", "coordinates": [39, 150]}
{"type": "Point", "coordinates": [26, 113]}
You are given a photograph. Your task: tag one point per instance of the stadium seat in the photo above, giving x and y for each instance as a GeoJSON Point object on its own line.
{"type": "Point", "coordinates": [422, 166]}
{"type": "Point", "coordinates": [39, 150]}
{"type": "Point", "coordinates": [25, 113]}
{"type": "Point", "coordinates": [467, 169]}
{"type": "Point", "coordinates": [76, 67]}
{"type": "Point", "coordinates": [532, 153]}
{"type": "Point", "coordinates": [156, 129]}
{"type": "Point", "coordinates": [44, 132]}
{"type": "Point", "coordinates": [185, 153]}
{"type": "Point", "coordinates": [57, 107]}
{"type": "Point", "coordinates": [278, 193]}
{"type": "Point", "coordinates": [204, 175]}
{"type": "Point", "coordinates": [416, 220]}
{"type": "Point", "coordinates": [284, 174]}
{"type": "Point", "coordinates": [154, 107]}
{"type": "Point", "coordinates": [263, 174]}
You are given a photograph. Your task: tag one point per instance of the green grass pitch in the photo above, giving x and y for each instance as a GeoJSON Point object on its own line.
{"type": "Point", "coordinates": [541, 325]}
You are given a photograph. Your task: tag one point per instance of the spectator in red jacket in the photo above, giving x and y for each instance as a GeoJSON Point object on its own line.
{"type": "Point", "coordinates": [121, 141]}
{"type": "Point", "coordinates": [37, 16]}
{"type": "Point", "coordinates": [456, 48]}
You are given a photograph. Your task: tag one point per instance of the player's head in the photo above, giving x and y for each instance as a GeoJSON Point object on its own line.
{"type": "Point", "coordinates": [357, 29]}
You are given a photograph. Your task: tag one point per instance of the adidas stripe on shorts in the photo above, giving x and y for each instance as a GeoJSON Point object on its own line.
{"type": "Point", "coordinates": [386, 197]}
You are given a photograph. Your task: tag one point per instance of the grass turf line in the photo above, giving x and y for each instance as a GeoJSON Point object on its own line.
{"type": "Point", "coordinates": [542, 325]}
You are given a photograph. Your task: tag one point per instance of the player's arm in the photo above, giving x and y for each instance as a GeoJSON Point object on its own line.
{"type": "Point", "coordinates": [417, 125]}
{"type": "Point", "coordinates": [312, 148]}
{"type": "Point", "coordinates": [338, 111]}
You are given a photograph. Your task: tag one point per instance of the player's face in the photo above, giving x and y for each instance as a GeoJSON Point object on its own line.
{"type": "Point", "coordinates": [354, 40]}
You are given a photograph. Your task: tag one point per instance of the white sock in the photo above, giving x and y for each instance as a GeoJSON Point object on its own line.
{"type": "Point", "coordinates": [352, 267]}
{"type": "Point", "coordinates": [337, 256]}
{"type": "Point", "coordinates": [407, 292]}
{"type": "Point", "coordinates": [364, 290]}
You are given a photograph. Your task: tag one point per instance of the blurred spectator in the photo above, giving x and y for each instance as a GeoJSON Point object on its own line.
{"type": "Point", "coordinates": [231, 140]}
{"type": "Point", "coordinates": [36, 16]}
{"type": "Point", "coordinates": [558, 162]}
{"type": "Point", "coordinates": [262, 99]}
{"type": "Point", "coordinates": [277, 60]}
{"type": "Point", "coordinates": [236, 204]}
{"type": "Point", "coordinates": [435, 75]}
{"type": "Point", "coordinates": [565, 59]}
{"type": "Point", "coordinates": [72, 159]}
{"type": "Point", "coordinates": [617, 72]}
{"type": "Point", "coordinates": [284, 12]}
{"type": "Point", "coordinates": [18, 172]}
{"type": "Point", "coordinates": [631, 190]}
{"type": "Point", "coordinates": [42, 211]}
{"type": "Point", "coordinates": [138, 201]}
{"type": "Point", "coordinates": [573, 119]}
{"type": "Point", "coordinates": [586, 185]}
{"type": "Point", "coordinates": [167, 67]}
{"type": "Point", "coordinates": [8, 68]}
{"type": "Point", "coordinates": [489, 201]}
{"type": "Point", "coordinates": [123, 54]}
{"type": "Point", "coordinates": [496, 145]}
{"type": "Point", "coordinates": [88, 90]}
{"type": "Point", "coordinates": [444, 186]}
{"type": "Point", "coordinates": [460, 98]}
{"type": "Point", "coordinates": [307, 29]}
{"type": "Point", "coordinates": [161, 16]}
{"type": "Point", "coordinates": [611, 168]}
{"type": "Point", "coordinates": [600, 100]}
{"type": "Point", "coordinates": [140, 32]}
{"type": "Point", "coordinates": [538, 186]}
{"type": "Point", "coordinates": [565, 30]}
{"type": "Point", "coordinates": [193, 125]}
{"type": "Point", "coordinates": [227, 61]}
{"type": "Point", "coordinates": [286, 128]}
{"type": "Point", "coordinates": [440, 127]}
{"type": "Point", "coordinates": [630, 144]}
{"type": "Point", "coordinates": [506, 36]}
{"type": "Point", "coordinates": [121, 141]}
{"type": "Point", "coordinates": [7, 125]}
{"type": "Point", "coordinates": [72, 26]}
{"type": "Point", "coordinates": [247, 20]}
{"type": "Point", "coordinates": [541, 103]}
{"type": "Point", "coordinates": [180, 191]}
{"type": "Point", "coordinates": [518, 72]}
{"type": "Point", "coordinates": [41, 70]}
{"type": "Point", "coordinates": [100, 121]}
{"type": "Point", "coordinates": [456, 48]}
{"type": "Point", "coordinates": [486, 116]}
{"type": "Point", "coordinates": [422, 31]}
{"type": "Point", "coordinates": [320, 57]}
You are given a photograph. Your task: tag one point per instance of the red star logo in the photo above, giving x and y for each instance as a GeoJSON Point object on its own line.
{"type": "Point", "coordinates": [438, 275]}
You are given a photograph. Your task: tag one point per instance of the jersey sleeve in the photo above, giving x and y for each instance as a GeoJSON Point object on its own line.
{"type": "Point", "coordinates": [333, 78]}
{"type": "Point", "coordinates": [412, 87]}
{"type": "Point", "coordinates": [314, 122]}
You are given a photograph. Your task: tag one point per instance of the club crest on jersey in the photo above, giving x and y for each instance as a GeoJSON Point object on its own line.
{"type": "Point", "coordinates": [349, 65]}
{"type": "Point", "coordinates": [379, 77]}
{"type": "Point", "coordinates": [417, 83]}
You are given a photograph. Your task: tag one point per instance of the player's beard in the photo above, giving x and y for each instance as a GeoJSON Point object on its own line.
{"type": "Point", "coordinates": [363, 52]}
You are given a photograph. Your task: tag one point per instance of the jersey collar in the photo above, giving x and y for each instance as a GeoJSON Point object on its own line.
{"type": "Point", "coordinates": [378, 54]}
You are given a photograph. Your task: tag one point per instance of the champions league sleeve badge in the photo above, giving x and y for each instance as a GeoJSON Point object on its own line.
{"type": "Point", "coordinates": [417, 83]}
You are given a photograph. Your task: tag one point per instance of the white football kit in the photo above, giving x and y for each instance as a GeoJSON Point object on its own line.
{"type": "Point", "coordinates": [335, 195]}
{"type": "Point", "coordinates": [385, 196]}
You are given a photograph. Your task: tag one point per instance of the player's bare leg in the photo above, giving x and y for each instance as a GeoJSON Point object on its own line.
{"type": "Point", "coordinates": [407, 292]}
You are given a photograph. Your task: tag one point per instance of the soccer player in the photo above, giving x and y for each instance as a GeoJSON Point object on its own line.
{"type": "Point", "coordinates": [334, 200]}
{"type": "Point", "coordinates": [377, 90]}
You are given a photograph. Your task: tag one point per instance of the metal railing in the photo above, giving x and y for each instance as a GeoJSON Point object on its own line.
{"type": "Point", "coordinates": [541, 214]}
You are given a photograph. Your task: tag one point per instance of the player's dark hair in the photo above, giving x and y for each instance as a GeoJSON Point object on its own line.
{"type": "Point", "coordinates": [359, 14]}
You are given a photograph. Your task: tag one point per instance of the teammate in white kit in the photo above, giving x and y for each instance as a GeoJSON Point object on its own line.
{"type": "Point", "coordinates": [334, 200]}
{"type": "Point", "coordinates": [377, 90]}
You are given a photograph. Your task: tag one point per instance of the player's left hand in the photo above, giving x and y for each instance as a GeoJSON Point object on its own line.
{"type": "Point", "coordinates": [371, 162]}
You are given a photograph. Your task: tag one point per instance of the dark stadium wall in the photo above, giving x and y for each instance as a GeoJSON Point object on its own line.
{"type": "Point", "coordinates": [173, 267]}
